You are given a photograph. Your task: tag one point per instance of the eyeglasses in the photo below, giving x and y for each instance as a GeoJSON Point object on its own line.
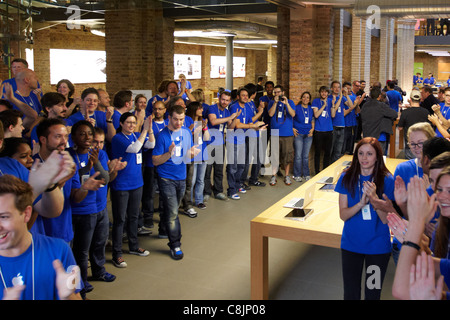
{"type": "Point", "coordinates": [130, 122]}
{"type": "Point", "coordinates": [415, 145]}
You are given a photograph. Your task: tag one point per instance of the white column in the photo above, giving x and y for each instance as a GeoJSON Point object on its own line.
{"type": "Point", "coordinates": [405, 53]}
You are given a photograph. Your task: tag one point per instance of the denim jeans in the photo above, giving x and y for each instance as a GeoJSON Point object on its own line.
{"type": "Point", "coordinates": [171, 192]}
{"type": "Point", "coordinates": [338, 143]}
{"type": "Point", "coordinates": [148, 194]}
{"type": "Point", "coordinates": [187, 198]}
{"type": "Point", "coordinates": [125, 207]}
{"type": "Point", "coordinates": [217, 166]}
{"type": "Point", "coordinates": [302, 146]}
{"type": "Point", "coordinates": [198, 182]}
{"type": "Point", "coordinates": [90, 236]}
{"type": "Point", "coordinates": [235, 167]}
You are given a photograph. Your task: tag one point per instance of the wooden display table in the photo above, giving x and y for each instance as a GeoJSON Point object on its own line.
{"type": "Point", "coordinates": [323, 227]}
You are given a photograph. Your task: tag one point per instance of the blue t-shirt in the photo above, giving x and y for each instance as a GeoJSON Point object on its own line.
{"type": "Point", "coordinates": [149, 108]}
{"type": "Point", "coordinates": [89, 204]}
{"type": "Point", "coordinates": [338, 120]}
{"type": "Point", "coordinates": [445, 271]}
{"type": "Point", "coordinates": [365, 236]}
{"type": "Point", "coordinates": [350, 118]}
{"type": "Point", "coordinates": [129, 178]}
{"type": "Point", "coordinates": [265, 115]}
{"type": "Point", "coordinates": [281, 120]}
{"type": "Point", "coordinates": [237, 136]}
{"type": "Point", "coordinates": [61, 226]}
{"type": "Point", "coordinates": [157, 128]}
{"type": "Point", "coordinates": [175, 167]}
{"type": "Point", "coordinates": [13, 167]}
{"type": "Point", "coordinates": [324, 122]}
{"type": "Point", "coordinates": [428, 81]}
{"type": "Point", "coordinates": [217, 131]}
{"type": "Point", "coordinates": [303, 119]}
{"type": "Point", "coordinates": [46, 250]}
{"type": "Point", "coordinates": [98, 116]}
{"type": "Point", "coordinates": [445, 111]}
{"type": "Point", "coordinates": [102, 192]}
{"type": "Point", "coordinates": [394, 99]}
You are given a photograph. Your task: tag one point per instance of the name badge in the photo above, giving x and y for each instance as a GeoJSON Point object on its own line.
{"type": "Point", "coordinates": [366, 212]}
{"type": "Point", "coordinates": [306, 120]}
{"type": "Point", "coordinates": [324, 114]}
{"type": "Point", "coordinates": [221, 127]}
{"type": "Point", "coordinates": [84, 178]}
{"type": "Point", "coordinates": [339, 109]}
{"type": "Point", "coordinates": [178, 151]}
{"type": "Point", "coordinates": [138, 158]}
{"type": "Point", "coordinates": [280, 114]}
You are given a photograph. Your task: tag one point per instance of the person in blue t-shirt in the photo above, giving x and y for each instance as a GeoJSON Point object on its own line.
{"type": "Point", "coordinates": [235, 144]}
{"type": "Point", "coordinates": [149, 174]}
{"type": "Point", "coordinates": [126, 188]}
{"type": "Point", "coordinates": [395, 97]}
{"type": "Point", "coordinates": [32, 266]}
{"type": "Point", "coordinates": [323, 129]}
{"type": "Point", "coordinates": [417, 79]}
{"type": "Point", "coordinates": [365, 236]}
{"type": "Point", "coordinates": [89, 225]}
{"type": "Point", "coordinates": [282, 112]}
{"type": "Point", "coordinates": [219, 119]}
{"type": "Point", "coordinates": [429, 81]}
{"type": "Point", "coordinates": [338, 101]}
{"type": "Point", "coordinates": [413, 263]}
{"type": "Point", "coordinates": [173, 149]}
{"type": "Point", "coordinates": [303, 131]}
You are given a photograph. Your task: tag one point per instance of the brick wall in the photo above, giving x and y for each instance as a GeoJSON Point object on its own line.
{"type": "Point", "coordinates": [59, 37]}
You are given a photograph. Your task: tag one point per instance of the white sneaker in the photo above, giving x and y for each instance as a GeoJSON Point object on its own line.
{"type": "Point", "coordinates": [298, 179]}
{"type": "Point", "coordinates": [307, 178]}
{"type": "Point", "coordinates": [287, 181]}
{"type": "Point", "coordinates": [191, 213]}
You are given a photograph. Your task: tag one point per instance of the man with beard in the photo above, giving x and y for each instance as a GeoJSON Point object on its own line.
{"type": "Point", "coordinates": [53, 135]}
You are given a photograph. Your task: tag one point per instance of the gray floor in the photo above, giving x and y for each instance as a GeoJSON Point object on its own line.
{"type": "Point", "coordinates": [216, 265]}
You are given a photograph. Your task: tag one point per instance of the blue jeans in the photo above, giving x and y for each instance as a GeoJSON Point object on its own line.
{"type": "Point", "coordinates": [302, 145]}
{"type": "Point", "coordinates": [198, 182]}
{"type": "Point", "coordinates": [235, 167]}
{"type": "Point", "coordinates": [125, 206]}
{"type": "Point", "coordinates": [90, 236]}
{"type": "Point", "coordinates": [171, 192]}
{"type": "Point", "coordinates": [338, 143]}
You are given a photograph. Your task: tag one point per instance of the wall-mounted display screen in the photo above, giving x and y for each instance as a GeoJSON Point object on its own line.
{"type": "Point", "coordinates": [78, 66]}
{"type": "Point", "coordinates": [219, 65]}
{"type": "Point", "coordinates": [188, 64]}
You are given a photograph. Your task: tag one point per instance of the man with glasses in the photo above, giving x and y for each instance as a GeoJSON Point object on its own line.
{"type": "Point", "coordinates": [409, 116]}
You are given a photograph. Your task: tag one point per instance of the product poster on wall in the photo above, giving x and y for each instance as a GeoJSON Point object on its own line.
{"type": "Point", "coordinates": [83, 66]}
{"type": "Point", "coordinates": [188, 64]}
{"type": "Point", "coordinates": [219, 65]}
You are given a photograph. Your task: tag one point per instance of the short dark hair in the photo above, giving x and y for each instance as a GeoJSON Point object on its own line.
{"type": "Point", "coordinates": [251, 88]}
{"type": "Point", "coordinates": [375, 92]}
{"type": "Point", "coordinates": [21, 190]}
{"type": "Point", "coordinates": [42, 129]}
{"type": "Point", "coordinates": [10, 146]}
{"type": "Point", "coordinates": [21, 61]}
{"type": "Point", "coordinates": [6, 103]}
{"type": "Point", "coordinates": [51, 99]}
{"type": "Point", "coordinates": [10, 117]}
{"type": "Point", "coordinates": [177, 109]}
{"type": "Point", "coordinates": [435, 146]}
{"type": "Point", "coordinates": [269, 82]}
{"type": "Point", "coordinates": [88, 91]}
{"type": "Point", "coordinates": [80, 123]}
{"type": "Point", "coordinates": [122, 97]}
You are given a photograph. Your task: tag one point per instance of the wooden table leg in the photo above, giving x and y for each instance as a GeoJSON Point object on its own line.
{"type": "Point", "coordinates": [259, 264]}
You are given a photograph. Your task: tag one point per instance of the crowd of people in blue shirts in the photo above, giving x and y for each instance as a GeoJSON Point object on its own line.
{"type": "Point", "coordinates": [73, 151]}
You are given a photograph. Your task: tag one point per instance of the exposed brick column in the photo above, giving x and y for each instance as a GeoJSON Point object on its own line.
{"type": "Point", "coordinates": [386, 49]}
{"type": "Point", "coordinates": [283, 48]}
{"type": "Point", "coordinates": [338, 44]}
{"type": "Point", "coordinates": [310, 50]}
{"type": "Point", "coordinates": [139, 45]}
{"type": "Point", "coordinates": [405, 53]}
{"type": "Point", "coordinates": [361, 50]}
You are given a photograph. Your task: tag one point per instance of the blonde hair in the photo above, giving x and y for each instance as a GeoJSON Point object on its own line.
{"type": "Point", "coordinates": [424, 127]}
